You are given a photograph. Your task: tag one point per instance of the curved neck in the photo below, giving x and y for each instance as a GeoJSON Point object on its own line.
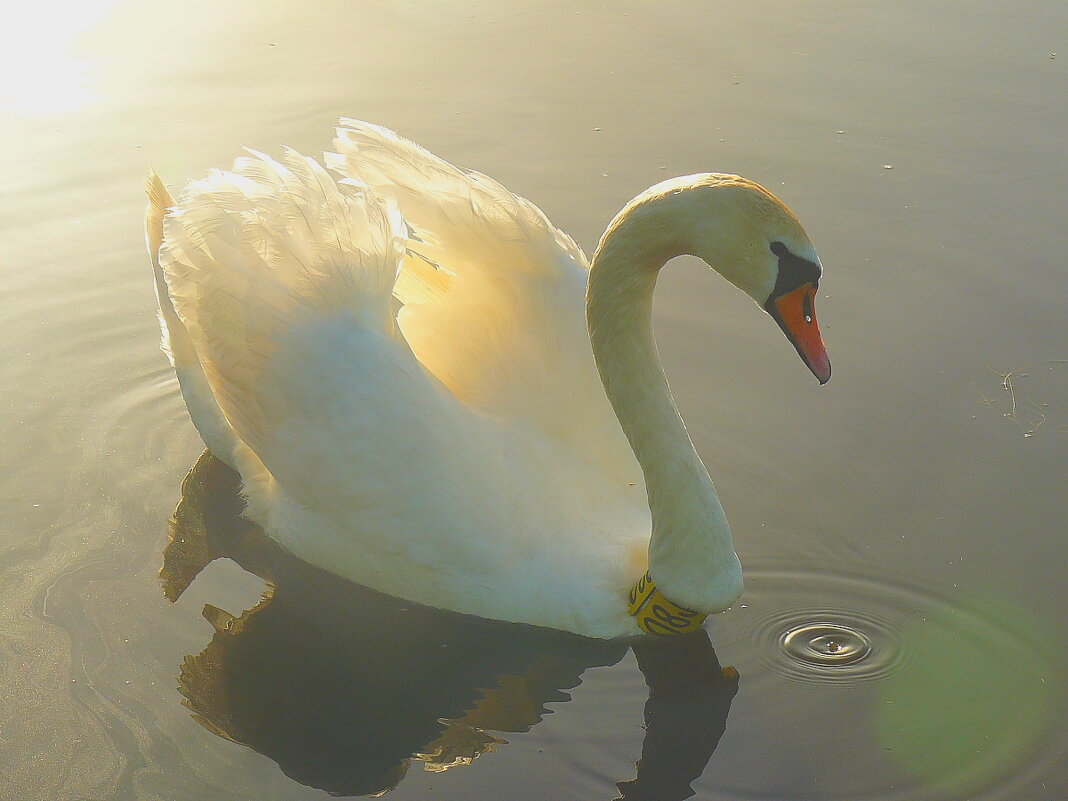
{"type": "Point", "coordinates": [691, 555]}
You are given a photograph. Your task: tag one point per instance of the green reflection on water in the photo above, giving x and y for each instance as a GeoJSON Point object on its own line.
{"type": "Point", "coordinates": [982, 687]}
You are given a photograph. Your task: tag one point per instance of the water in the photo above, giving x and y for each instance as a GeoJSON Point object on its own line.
{"type": "Point", "coordinates": [902, 633]}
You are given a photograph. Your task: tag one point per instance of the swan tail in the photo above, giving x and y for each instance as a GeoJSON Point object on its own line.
{"type": "Point", "coordinates": [176, 343]}
{"type": "Point", "coordinates": [269, 248]}
{"type": "Point", "coordinates": [159, 200]}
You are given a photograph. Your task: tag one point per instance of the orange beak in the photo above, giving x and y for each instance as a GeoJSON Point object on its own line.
{"type": "Point", "coordinates": [795, 312]}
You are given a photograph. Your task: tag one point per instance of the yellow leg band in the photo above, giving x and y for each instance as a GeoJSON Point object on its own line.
{"type": "Point", "coordinates": [656, 614]}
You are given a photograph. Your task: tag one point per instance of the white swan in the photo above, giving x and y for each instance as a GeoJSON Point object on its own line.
{"type": "Point", "coordinates": [398, 364]}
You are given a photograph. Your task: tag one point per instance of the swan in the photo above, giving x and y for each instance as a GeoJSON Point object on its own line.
{"type": "Point", "coordinates": [428, 389]}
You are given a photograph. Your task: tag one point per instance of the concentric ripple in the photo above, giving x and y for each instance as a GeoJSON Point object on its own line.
{"type": "Point", "coordinates": [830, 644]}
{"type": "Point", "coordinates": [947, 695]}
{"type": "Point", "coordinates": [826, 628]}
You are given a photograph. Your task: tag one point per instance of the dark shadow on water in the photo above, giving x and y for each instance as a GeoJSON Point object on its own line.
{"type": "Point", "coordinates": [344, 688]}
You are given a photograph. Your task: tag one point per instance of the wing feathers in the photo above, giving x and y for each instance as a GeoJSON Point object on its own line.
{"type": "Point", "coordinates": [488, 293]}
{"type": "Point", "coordinates": [251, 253]}
{"type": "Point", "coordinates": [472, 215]}
{"type": "Point", "coordinates": [493, 293]}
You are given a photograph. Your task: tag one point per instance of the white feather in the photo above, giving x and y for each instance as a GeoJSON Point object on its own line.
{"type": "Point", "coordinates": [394, 463]}
{"type": "Point", "coordinates": [398, 365]}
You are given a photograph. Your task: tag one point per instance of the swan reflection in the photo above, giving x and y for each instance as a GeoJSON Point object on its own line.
{"type": "Point", "coordinates": [345, 688]}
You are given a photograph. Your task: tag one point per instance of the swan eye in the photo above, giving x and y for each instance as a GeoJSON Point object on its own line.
{"type": "Point", "coordinates": [794, 271]}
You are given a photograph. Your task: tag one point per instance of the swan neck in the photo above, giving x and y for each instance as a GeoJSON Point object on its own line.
{"type": "Point", "coordinates": [691, 554]}
{"type": "Point", "coordinates": [619, 311]}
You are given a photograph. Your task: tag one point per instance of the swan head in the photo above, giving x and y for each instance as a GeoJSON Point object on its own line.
{"type": "Point", "coordinates": [753, 240]}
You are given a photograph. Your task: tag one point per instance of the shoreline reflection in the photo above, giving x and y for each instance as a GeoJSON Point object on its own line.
{"type": "Point", "coordinates": [344, 688]}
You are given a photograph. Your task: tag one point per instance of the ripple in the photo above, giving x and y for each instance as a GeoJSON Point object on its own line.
{"type": "Point", "coordinates": [927, 693]}
{"type": "Point", "coordinates": [811, 626]}
{"type": "Point", "coordinates": [814, 628]}
{"type": "Point", "coordinates": [145, 411]}
{"type": "Point", "coordinates": [826, 644]}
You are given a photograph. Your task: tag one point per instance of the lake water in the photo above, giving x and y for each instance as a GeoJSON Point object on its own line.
{"type": "Point", "coordinates": [903, 631]}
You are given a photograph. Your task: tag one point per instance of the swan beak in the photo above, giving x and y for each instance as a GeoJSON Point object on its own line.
{"type": "Point", "coordinates": [795, 312]}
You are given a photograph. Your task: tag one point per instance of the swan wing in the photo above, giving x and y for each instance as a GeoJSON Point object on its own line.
{"type": "Point", "coordinates": [283, 281]}
{"type": "Point", "coordinates": [493, 294]}
{"type": "Point", "coordinates": [266, 258]}
{"type": "Point", "coordinates": [376, 439]}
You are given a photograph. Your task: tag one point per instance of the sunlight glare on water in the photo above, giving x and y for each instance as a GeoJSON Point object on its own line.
{"type": "Point", "coordinates": [41, 71]}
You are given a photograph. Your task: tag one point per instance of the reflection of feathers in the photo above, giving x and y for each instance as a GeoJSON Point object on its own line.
{"type": "Point", "coordinates": [308, 678]}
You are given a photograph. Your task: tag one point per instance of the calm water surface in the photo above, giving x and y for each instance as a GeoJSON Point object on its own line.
{"type": "Point", "coordinates": [903, 631]}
